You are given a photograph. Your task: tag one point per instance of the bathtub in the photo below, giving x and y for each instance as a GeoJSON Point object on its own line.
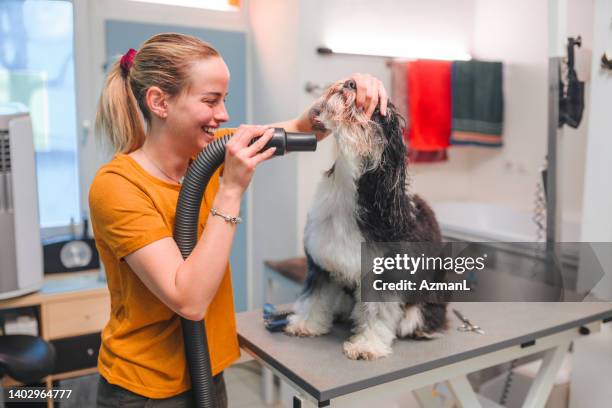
{"type": "Point", "coordinates": [484, 222]}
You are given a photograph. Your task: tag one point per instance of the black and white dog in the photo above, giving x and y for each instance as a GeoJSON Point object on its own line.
{"type": "Point", "coordinates": [362, 198]}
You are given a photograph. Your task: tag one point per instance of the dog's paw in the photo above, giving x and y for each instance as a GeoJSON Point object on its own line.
{"type": "Point", "coordinates": [359, 348]}
{"type": "Point", "coordinates": [299, 327]}
{"type": "Point", "coordinates": [423, 335]}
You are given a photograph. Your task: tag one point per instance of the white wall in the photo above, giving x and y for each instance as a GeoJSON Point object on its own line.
{"type": "Point", "coordinates": [597, 217]}
{"type": "Point", "coordinates": [287, 33]}
{"type": "Point", "coordinates": [274, 98]}
{"type": "Point", "coordinates": [515, 33]}
{"type": "Point", "coordinates": [592, 356]}
{"type": "Point", "coordinates": [383, 28]}
{"type": "Point", "coordinates": [574, 141]}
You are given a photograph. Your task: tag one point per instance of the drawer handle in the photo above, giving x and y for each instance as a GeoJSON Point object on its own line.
{"type": "Point", "coordinates": [90, 352]}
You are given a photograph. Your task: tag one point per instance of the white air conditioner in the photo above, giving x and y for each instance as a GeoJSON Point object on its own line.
{"type": "Point", "coordinates": [21, 265]}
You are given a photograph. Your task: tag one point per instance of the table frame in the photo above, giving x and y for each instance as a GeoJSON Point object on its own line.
{"type": "Point", "coordinates": [554, 346]}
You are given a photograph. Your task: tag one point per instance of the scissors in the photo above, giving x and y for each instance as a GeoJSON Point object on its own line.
{"type": "Point", "coordinates": [467, 326]}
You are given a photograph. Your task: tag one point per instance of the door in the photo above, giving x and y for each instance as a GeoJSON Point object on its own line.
{"type": "Point", "coordinates": [123, 35]}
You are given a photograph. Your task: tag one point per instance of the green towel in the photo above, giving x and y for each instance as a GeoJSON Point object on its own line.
{"type": "Point", "coordinates": [478, 102]}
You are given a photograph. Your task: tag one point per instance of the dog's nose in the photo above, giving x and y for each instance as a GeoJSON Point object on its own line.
{"type": "Point", "coordinates": [350, 84]}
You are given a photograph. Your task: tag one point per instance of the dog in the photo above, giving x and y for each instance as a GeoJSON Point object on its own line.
{"type": "Point", "coordinates": [362, 198]}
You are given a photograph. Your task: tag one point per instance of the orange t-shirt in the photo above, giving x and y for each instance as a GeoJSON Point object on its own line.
{"type": "Point", "coordinates": [142, 344]}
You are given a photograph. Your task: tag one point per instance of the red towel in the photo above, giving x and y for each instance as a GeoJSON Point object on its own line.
{"type": "Point", "coordinates": [429, 96]}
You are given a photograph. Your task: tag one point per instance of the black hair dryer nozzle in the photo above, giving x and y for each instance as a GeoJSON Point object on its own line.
{"type": "Point", "coordinates": [291, 142]}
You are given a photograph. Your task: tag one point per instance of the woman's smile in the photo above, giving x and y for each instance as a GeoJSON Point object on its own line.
{"type": "Point", "coordinates": [209, 132]}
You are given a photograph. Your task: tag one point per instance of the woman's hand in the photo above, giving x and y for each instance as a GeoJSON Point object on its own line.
{"type": "Point", "coordinates": [370, 92]}
{"type": "Point", "coordinates": [241, 159]}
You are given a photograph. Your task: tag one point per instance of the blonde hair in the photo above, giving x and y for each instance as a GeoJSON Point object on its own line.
{"type": "Point", "coordinates": [163, 61]}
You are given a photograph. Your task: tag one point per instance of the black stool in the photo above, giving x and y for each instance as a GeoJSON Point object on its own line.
{"type": "Point", "coordinates": [24, 358]}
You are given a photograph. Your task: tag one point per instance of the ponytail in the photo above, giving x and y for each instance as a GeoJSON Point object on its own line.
{"type": "Point", "coordinates": [162, 61]}
{"type": "Point", "coordinates": [118, 117]}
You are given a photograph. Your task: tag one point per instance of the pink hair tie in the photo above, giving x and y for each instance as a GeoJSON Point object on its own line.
{"type": "Point", "coordinates": [127, 60]}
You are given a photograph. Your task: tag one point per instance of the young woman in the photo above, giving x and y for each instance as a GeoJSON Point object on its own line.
{"type": "Point", "coordinates": [178, 84]}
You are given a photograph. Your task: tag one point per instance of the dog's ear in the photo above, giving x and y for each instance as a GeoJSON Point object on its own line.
{"type": "Point", "coordinates": [392, 122]}
{"type": "Point", "coordinates": [392, 125]}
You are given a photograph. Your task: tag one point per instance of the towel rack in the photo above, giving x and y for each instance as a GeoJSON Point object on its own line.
{"type": "Point", "coordinates": [322, 50]}
{"type": "Point", "coordinates": [329, 51]}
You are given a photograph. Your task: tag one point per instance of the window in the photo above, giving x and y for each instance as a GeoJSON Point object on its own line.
{"type": "Point", "coordinates": [37, 69]}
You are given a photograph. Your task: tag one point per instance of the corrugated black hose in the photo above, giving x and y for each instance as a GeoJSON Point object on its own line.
{"type": "Point", "coordinates": [185, 235]}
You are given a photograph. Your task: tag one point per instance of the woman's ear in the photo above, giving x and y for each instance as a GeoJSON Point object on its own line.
{"type": "Point", "coordinates": [157, 101]}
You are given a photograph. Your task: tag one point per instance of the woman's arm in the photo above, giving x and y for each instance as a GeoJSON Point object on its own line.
{"type": "Point", "coordinates": [189, 286]}
{"type": "Point", "coordinates": [370, 92]}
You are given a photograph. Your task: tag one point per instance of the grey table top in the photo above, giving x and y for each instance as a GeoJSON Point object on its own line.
{"type": "Point", "coordinates": [320, 368]}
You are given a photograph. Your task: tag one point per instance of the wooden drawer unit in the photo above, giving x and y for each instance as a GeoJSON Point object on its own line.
{"type": "Point", "coordinates": [75, 316]}
{"type": "Point", "coordinates": [76, 353]}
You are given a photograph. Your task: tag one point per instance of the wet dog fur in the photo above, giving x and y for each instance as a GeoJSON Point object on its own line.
{"type": "Point", "coordinates": [362, 198]}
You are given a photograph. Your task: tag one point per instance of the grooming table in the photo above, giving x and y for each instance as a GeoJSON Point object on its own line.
{"type": "Point", "coordinates": [320, 375]}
